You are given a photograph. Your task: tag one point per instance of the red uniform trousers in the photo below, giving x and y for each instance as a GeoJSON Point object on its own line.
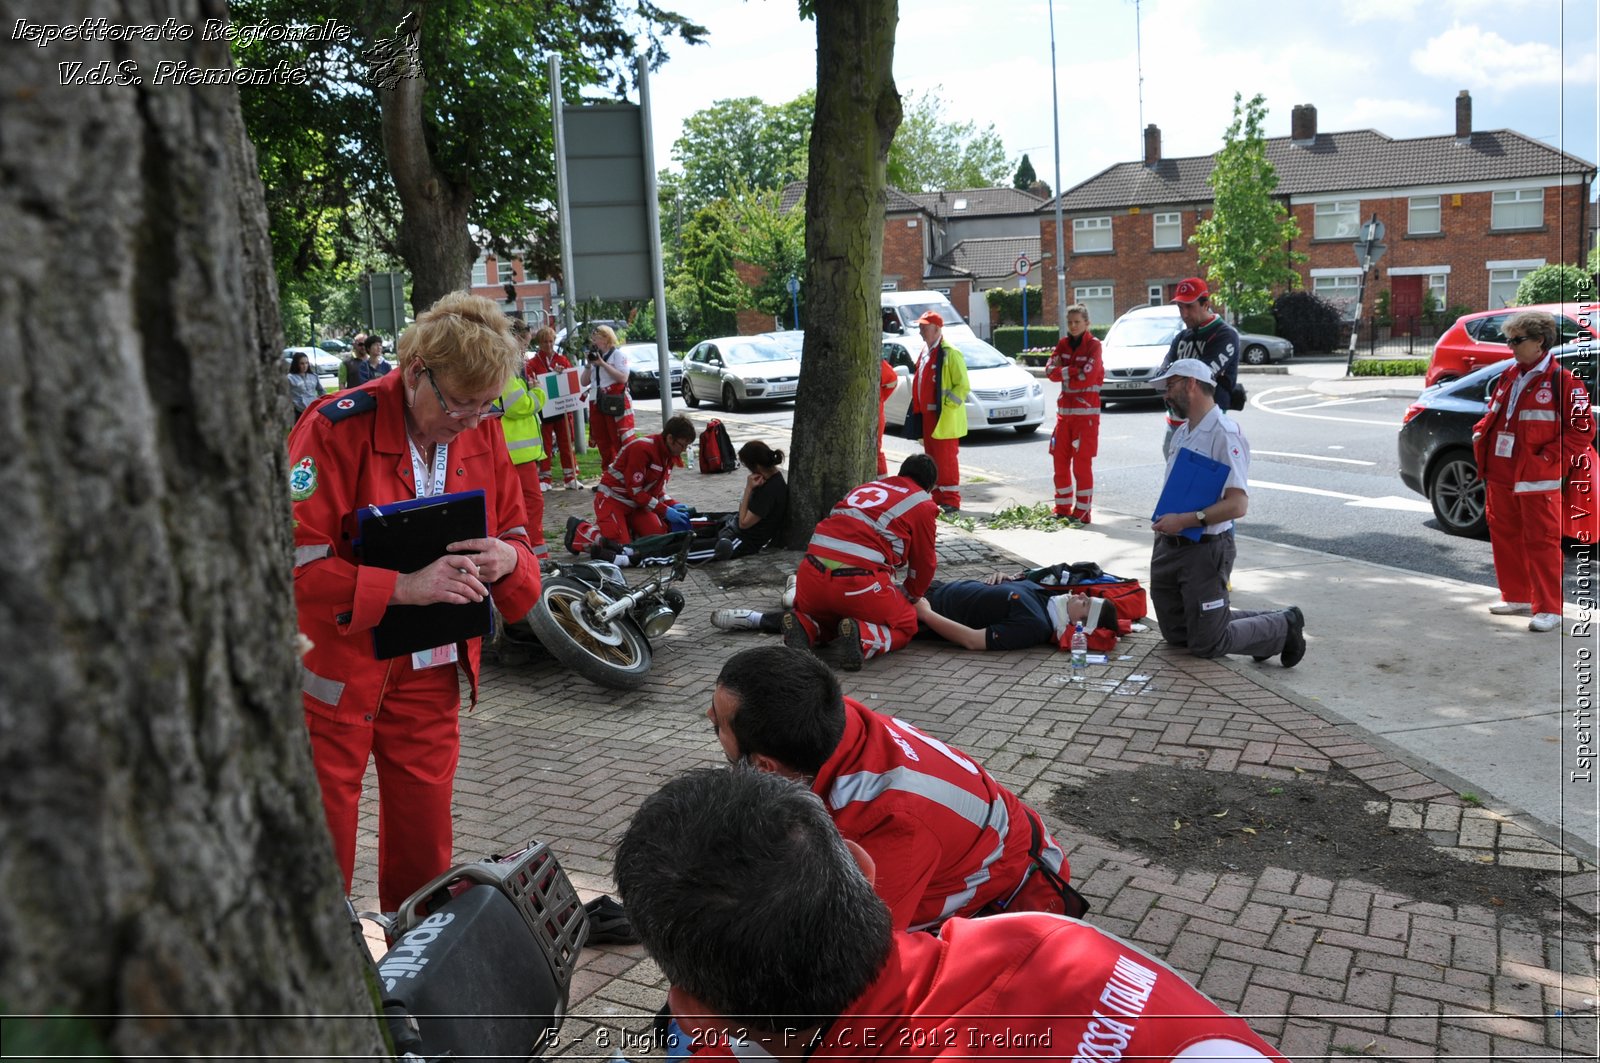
{"type": "Point", "coordinates": [1525, 539]}
{"type": "Point", "coordinates": [946, 455]}
{"type": "Point", "coordinates": [886, 618]}
{"type": "Point", "coordinates": [623, 524]}
{"type": "Point", "coordinates": [1072, 447]}
{"type": "Point", "coordinates": [415, 740]}
{"type": "Point", "coordinates": [557, 432]}
{"type": "Point", "coordinates": [609, 433]}
{"type": "Point", "coordinates": [533, 502]}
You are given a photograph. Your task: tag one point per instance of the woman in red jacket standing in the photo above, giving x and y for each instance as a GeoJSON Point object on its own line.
{"type": "Point", "coordinates": [546, 358]}
{"type": "Point", "coordinates": [1536, 432]}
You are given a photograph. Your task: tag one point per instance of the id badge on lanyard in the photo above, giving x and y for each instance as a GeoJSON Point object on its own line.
{"type": "Point", "coordinates": [427, 487]}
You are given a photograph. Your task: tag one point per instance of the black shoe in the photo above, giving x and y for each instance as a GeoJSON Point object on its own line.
{"type": "Point", "coordinates": [603, 549]}
{"type": "Point", "coordinates": [608, 923]}
{"type": "Point", "coordinates": [794, 634]}
{"type": "Point", "coordinates": [573, 524]}
{"type": "Point", "coordinates": [723, 550]}
{"type": "Point", "coordinates": [947, 509]}
{"type": "Point", "coordinates": [1294, 646]}
{"type": "Point", "coordinates": [844, 652]}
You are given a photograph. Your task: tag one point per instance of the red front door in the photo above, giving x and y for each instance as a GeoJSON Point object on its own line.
{"type": "Point", "coordinates": [1405, 303]}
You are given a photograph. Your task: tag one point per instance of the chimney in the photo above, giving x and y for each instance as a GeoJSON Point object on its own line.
{"type": "Point", "coordinates": [1303, 124]}
{"type": "Point", "coordinates": [1152, 144]}
{"type": "Point", "coordinates": [1463, 116]}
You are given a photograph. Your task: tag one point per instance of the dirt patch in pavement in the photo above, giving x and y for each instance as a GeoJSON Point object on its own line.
{"type": "Point", "coordinates": [1190, 818]}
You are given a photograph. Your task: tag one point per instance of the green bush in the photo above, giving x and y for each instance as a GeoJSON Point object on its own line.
{"type": "Point", "coordinates": [1555, 284]}
{"type": "Point", "coordinates": [1008, 338]}
{"type": "Point", "coordinates": [1007, 302]}
{"type": "Point", "coordinates": [1262, 324]}
{"type": "Point", "coordinates": [1389, 367]}
{"type": "Point", "coordinates": [1308, 321]}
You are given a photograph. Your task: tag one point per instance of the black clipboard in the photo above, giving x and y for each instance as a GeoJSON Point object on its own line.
{"type": "Point", "coordinates": [407, 536]}
{"type": "Point", "coordinates": [1195, 482]}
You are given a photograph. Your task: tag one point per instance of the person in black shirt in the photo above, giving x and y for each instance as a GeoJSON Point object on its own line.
{"type": "Point", "coordinates": [761, 508]}
{"type": "Point", "coordinates": [1206, 338]}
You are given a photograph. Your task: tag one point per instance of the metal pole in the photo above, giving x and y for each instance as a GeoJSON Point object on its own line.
{"type": "Point", "coordinates": [564, 220]}
{"type": "Point", "coordinates": [652, 210]}
{"type": "Point", "coordinates": [1061, 255]}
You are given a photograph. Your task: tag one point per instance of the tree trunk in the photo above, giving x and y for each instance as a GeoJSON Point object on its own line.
{"type": "Point", "coordinates": [434, 239]}
{"type": "Point", "coordinates": [858, 110]}
{"type": "Point", "coordinates": [165, 869]}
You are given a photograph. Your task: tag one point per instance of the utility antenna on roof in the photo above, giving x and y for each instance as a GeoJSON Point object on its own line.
{"type": "Point", "coordinates": [1138, 59]}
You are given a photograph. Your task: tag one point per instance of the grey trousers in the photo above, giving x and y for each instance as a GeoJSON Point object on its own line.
{"type": "Point", "coordinates": [1189, 592]}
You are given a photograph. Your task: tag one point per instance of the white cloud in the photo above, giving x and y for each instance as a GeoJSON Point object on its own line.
{"type": "Point", "coordinates": [1476, 58]}
{"type": "Point", "coordinates": [1358, 11]}
{"type": "Point", "coordinates": [1396, 117]}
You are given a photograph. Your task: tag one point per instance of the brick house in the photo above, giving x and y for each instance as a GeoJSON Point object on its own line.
{"type": "Point", "coordinates": [535, 299]}
{"type": "Point", "coordinates": [1468, 215]}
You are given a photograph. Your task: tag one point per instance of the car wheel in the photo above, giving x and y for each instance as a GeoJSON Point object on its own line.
{"type": "Point", "coordinates": [1456, 492]}
{"type": "Point", "coordinates": [1255, 354]}
{"type": "Point", "coordinates": [689, 397]}
{"type": "Point", "coordinates": [730, 401]}
{"type": "Point", "coordinates": [1025, 429]}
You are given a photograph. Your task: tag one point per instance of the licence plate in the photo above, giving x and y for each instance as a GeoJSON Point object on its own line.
{"type": "Point", "coordinates": [1123, 385]}
{"type": "Point", "coordinates": [1005, 411]}
{"type": "Point", "coordinates": [782, 389]}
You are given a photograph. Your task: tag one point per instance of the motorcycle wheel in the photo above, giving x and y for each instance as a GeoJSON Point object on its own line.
{"type": "Point", "coordinates": [616, 655]}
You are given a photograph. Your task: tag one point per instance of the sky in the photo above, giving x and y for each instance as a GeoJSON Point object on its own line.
{"type": "Point", "coordinates": [1390, 65]}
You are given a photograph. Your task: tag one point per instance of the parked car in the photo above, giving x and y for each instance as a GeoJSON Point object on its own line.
{"type": "Point", "coordinates": [1477, 340]}
{"type": "Point", "coordinates": [326, 363]}
{"type": "Point", "coordinates": [736, 370]}
{"type": "Point", "coordinates": [644, 369]}
{"type": "Point", "coordinates": [337, 346]}
{"type": "Point", "coordinates": [1138, 341]}
{"type": "Point", "coordinates": [1004, 395]}
{"type": "Point", "coordinates": [791, 340]}
{"type": "Point", "coordinates": [1435, 445]}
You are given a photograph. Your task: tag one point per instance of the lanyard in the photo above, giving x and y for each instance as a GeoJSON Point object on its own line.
{"type": "Point", "coordinates": [1520, 383]}
{"type": "Point", "coordinates": [427, 485]}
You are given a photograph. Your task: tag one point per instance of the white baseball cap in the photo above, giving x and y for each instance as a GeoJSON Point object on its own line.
{"type": "Point", "coordinates": [1189, 367]}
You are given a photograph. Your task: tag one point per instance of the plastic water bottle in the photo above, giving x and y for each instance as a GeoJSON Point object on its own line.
{"type": "Point", "coordinates": [1080, 653]}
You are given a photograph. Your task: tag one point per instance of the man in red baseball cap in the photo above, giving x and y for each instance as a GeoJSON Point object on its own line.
{"type": "Point", "coordinates": [1207, 338]}
{"type": "Point", "coordinates": [940, 390]}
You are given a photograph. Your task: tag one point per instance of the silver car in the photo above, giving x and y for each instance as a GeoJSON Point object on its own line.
{"type": "Point", "coordinates": [1137, 343]}
{"type": "Point", "coordinates": [1004, 395]}
{"type": "Point", "coordinates": [736, 370]}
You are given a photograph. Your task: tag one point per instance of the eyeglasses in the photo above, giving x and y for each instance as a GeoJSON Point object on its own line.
{"type": "Point", "coordinates": [494, 409]}
{"type": "Point", "coordinates": [1512, 341]}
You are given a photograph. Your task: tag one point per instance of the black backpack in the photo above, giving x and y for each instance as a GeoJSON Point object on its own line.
{"type": "Point", "coordinates": [716, 449]}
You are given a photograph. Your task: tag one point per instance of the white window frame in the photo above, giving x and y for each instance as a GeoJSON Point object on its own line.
{"type": "Point", "coordinates": [1340, 287]}
{"type": "Point", "coordinates": [1172, 220]}
{"type": "Point", "coordinates": [1420, 203]}
{"type": "Point", "coordinates": [1506, 278]}
{"type": "Point", "coordinates": [1099, 299]}
{"type": "Point", "coordinates": [1509, 206]}
{"type": "Point", "coordinates": [1157, 294]}
{"type": "Point", "coordinates": [1325, 219]}
{"type": "Point", "coordinates": [480, 273]}
{"type": "Point", "coordinates": [506, 275]}
{"type": "Point", "coordinates": [533, 310]}
{"type": "Point", "coordinates": [1083, 227]}
{"type": "Point", "coordinates": [1439, 285]}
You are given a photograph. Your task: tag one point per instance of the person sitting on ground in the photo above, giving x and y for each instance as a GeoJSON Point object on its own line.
{"type": "Point", "coordinates": [846, 601]}
{"type": "Point", "coordinates": [764, 920]}
{"type": "Point", "coordinates": [761, 507]}
{"type": "Point", "coordinates": [947, 838]}
{"type": "Point", "coordinates": [1002, 613]}
{"type": "Point", "coordinates": [632, 499]}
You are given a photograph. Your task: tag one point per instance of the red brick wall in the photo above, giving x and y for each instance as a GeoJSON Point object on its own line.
{"type": "Point", "coordinates": [1132, 264]}
{"type": "Point", "coordinates": [904, 240]}
{"type": "Point", "coordinates": [751, 322]}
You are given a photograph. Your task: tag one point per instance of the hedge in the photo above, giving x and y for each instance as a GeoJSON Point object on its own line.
{"type": "Point", "coordinates": [1008, 338]}
{"type": "Point", "coordinates": [1389, 367]}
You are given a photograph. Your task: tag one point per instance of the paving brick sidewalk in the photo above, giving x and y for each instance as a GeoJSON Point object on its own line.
{"type": "Point", "coordinates": [1322, 967]}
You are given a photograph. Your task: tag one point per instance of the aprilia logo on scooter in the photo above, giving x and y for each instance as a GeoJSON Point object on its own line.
{"type": "Point", "coordinates": [407, 959]}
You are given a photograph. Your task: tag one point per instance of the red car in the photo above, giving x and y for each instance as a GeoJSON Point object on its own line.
{"type": "Point", "coordinates": [1477, 340]}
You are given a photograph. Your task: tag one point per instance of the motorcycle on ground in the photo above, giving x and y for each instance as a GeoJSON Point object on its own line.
{"type": "Point", "coordinates": [592, 621]}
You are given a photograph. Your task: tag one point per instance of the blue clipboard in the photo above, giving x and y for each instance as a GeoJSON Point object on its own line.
{"type": "Point", "coordinates": [406, 536]}
{"type": "Point", "coordinates": [1194, 483]}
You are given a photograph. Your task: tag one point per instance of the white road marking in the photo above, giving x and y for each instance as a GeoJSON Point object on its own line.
{"type": "Point", "coordinates": [1410, 505]}
{"type": "Point", "coordinates": [1258, 401]}
{"type": "Point", "coordinates": [1310, 457]}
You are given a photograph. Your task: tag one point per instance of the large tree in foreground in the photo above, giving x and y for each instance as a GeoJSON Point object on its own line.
{"type": "Point", "coordinates": [858, 110]}
{"type": "Point", "coordinates": [167, 887]}
{"type": "Point", "coordinates": [1243, 247]}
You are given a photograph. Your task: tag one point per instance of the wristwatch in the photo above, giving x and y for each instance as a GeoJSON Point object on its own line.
{"type": "Point", "coordinates": [1200, 515]}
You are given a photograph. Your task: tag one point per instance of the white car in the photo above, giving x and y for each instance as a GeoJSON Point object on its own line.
{"type": "Point", "coordinates": [1004, 395]}
{"type": "Point", "coordinates": [734, 371]}
{"type": "Point", "coordinates": [1137, 343]}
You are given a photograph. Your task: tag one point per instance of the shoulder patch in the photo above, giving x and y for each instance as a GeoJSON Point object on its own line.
{"type": "Point", "coordinates": [303, 479]}
{"type": "Point", "coordinates": [348, 405]}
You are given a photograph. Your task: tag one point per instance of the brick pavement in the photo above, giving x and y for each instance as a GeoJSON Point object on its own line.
{"type": "Point", "coordinates": [1321, 967]}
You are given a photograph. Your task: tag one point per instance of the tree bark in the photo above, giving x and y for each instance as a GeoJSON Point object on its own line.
{"type": "Point", "coordinates": [858, 111]}
{"type": "Point", "coordinates": [165, 869]}
{"type": "Point", "coordinates": [434, 238]}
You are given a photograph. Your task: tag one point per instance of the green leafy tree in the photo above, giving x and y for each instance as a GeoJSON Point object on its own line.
{"type": "Point", "coordinates": [1025, 177]}
{"type": "Point", "coordinates": [448, 145]}
{"type": "Point", "coordinates": [742, 143]}
{"type": "Point", "coordinates": [1555, 283]}
{"type": "Point", "coordinates": [1244, 245]}
{"type": "Point", "coordinates": [930, 154]}
{"type": "Point", "coordinates": [758, 232]}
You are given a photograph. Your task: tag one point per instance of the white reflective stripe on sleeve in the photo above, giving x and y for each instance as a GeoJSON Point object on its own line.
{"type": "Point", "coordinates": [304, 555]}
{"type": "Point", "coordinates": [612, 494]}
{"type": "Point", "coordinates": [327, 691]}
{"type": "Point", "coordinates": [518, 530]}
{"type": "Point", "coordinates": [1523, 487]}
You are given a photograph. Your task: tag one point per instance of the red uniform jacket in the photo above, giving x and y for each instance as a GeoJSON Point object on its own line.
{"type": "Point", "coordinates": [881, 526]}
{"type": "Point", "coordinates": [1552, 426]}
{"type": "Point", "coordinates": [1080, 374]}
{"type": "Point", "coordinates": [1035, 987]}
{"type": "Point", "coordinates": [348, 452]}
{"type": "Point", "coordinates": [637, 478]}
{"type": "Point", "coordinates": [946, 837]}
{"type": "Point", "coordinates": [541, 364]}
